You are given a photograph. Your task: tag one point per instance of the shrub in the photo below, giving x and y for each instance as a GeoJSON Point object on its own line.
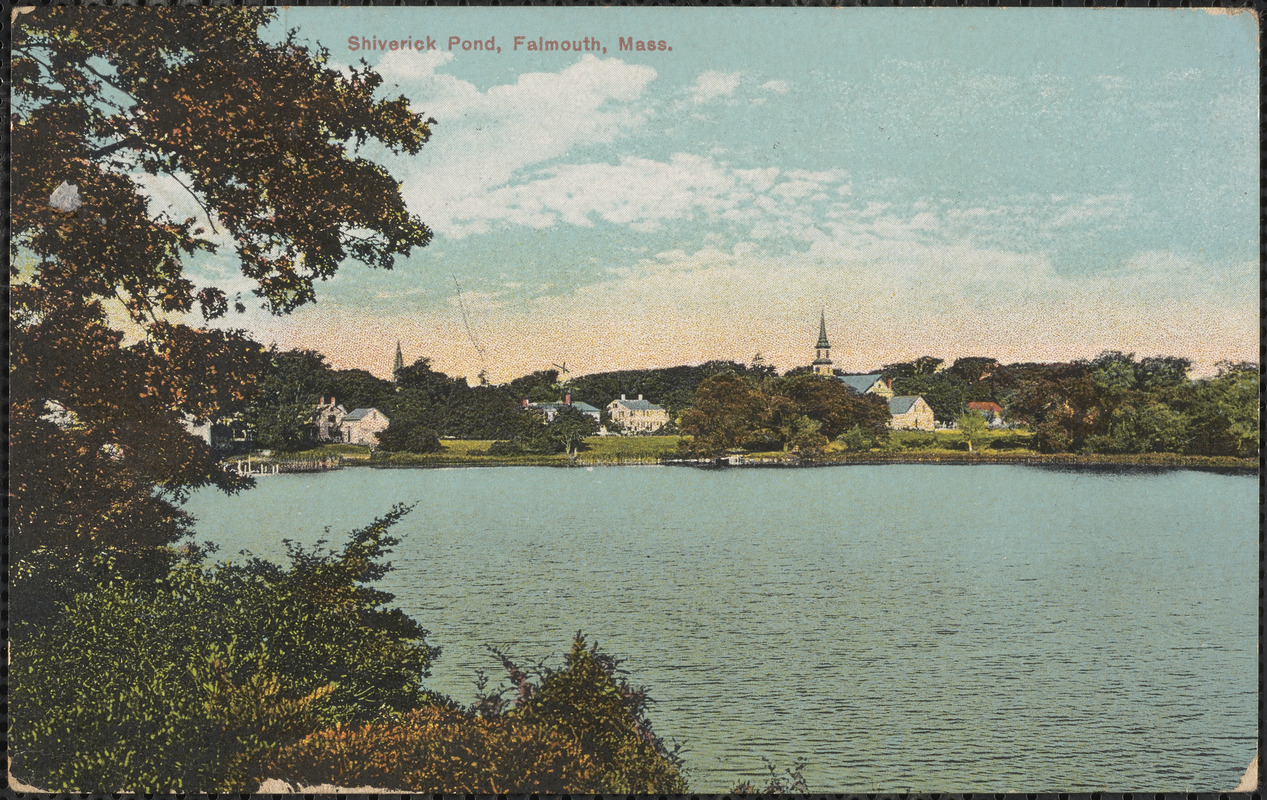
{"type": "Point", "coordinates": [581, 729]}
{"type": "Point", "coordinates": [180, 682]}
{"type": "Point", "coordinates": [792, 781]}
{"type": "Point", "coordinates": [439, 749]}
{"type": "Point", "coordinates": [590, 703]}
{"type": "Point", "coordinates": [408, 439]}
{"type": "Point", "coordinates": [854, 440]}
{"type": "Point", "coordinates": [920, 441]}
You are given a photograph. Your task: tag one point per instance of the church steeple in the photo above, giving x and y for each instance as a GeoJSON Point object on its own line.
{"type": "Point", "coordinates": [400, 362]}
{"type": "Point", "coordinates": [822, 350]}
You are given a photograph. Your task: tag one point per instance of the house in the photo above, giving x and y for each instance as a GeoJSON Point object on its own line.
{"type": "Point", "coordinates": [551, 410]}
{"type": "Point", "coordinates": [637, 416]}
{"type": "Point", "coordinates": [910, 413]}
{"type": "Point", "coordinates": [871, 383]}
{"type": "Point", "coordinates": [325, 424]}
{"type": "Point", "coordinates": [362, 426]}
{"type": "Point", "coordinates": [992, 412]}
{"type": "Point", "coordinates": [228, 434]}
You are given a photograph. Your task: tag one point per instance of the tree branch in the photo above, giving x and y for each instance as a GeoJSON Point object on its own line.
{"type": "Point", "coordinates": [130, 141]}
{"type": "Point", "coordinates": [210, 221]}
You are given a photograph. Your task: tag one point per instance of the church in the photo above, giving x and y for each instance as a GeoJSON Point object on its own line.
{"type": "Point", "coordinates": [908, 412]}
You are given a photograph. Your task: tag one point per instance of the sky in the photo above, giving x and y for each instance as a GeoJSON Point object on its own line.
{"type": "Point", "coordinates": [1029, 184]}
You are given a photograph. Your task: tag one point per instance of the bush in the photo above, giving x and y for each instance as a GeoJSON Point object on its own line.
{"type": "Point", "coordinates": [411, 439]}
{"type": "Point", "coordinates": [854, 440]}
{"type": "Point", "coordinates": [439, 749]}
{"type": "Point", "coordinates": [791, 781]}
{"type": "Point", "coordinates": [591, 704]}
{"type": "Point", "coordinates": [181, 682]}
{"type": "Point", "coordinates": [921, 441]}
{"type": "Point", "coordinates": [581, 729]}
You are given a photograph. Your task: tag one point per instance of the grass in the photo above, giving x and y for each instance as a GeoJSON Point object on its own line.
{"type": "Point", "coordinates": [944, 441]}
{"type": "Point", "coordinates": [629, 447]}
{"type": "Point", "coordinates": [354, 451]}
{"type": "Point", "coordinates": [996, 446]}
{"type": "Point", "coordinates": [474, 452]}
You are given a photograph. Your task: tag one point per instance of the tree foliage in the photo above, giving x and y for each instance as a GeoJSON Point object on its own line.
{"type": "Point", "coordinates": [186, 679]}
{"type": "Point", "coordinates": [578, 729]}
{"type": "Point", "coordinates": [802, 412]}
{"type": "Point", "coordinates": [264, 137]}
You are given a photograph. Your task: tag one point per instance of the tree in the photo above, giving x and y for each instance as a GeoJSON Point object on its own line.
{"type": "Point", "coordinates": [264, 136]}
{"type": "Point", "coordinates": [974, 368]}
{"type": "Point", "coordinates": [920, 367]}
{"type": "Point", "coordinates": [972, 428]}
{"type": "Point", "coordinates": [835, 406]}
{"type": "Point", "coordinates": [727, 413]}
{"type": "Point", "coordinates": [570, 427]}
{"type": "Point", "coordinates": [1224, 412]}
{"type": "Point", "coordinates": [281, 407]}
{"type": "Point", "coordinates": [185, 680]}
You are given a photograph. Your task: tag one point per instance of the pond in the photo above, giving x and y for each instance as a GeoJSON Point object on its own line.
{"type": "Point", "coordinates": [900, 627]}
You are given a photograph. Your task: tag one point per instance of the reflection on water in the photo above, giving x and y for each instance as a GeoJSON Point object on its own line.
{"type": "Point", "coordinates": [901, 627]}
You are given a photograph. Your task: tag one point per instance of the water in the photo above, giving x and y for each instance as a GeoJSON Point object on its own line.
{"type": "Point", "coordinates": [918, 627]}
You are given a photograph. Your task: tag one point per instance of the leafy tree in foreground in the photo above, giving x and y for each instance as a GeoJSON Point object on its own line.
{"type": "Point", "coordinates": [264, 137]}
{"type": "Point", "coordinates": [188, 680]}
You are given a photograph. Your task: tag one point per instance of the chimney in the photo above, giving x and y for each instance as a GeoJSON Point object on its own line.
{"type": "Point", "coordinates": [567, 399]}
{"type": "Point", "coordinates": [332, 401]}
{"type": "Point", "coordinates": [639, 397]}
{"type": "Point", "coordinates": [622, 397]}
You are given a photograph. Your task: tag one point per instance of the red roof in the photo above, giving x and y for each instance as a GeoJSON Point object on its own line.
{"type": "Point", "coordinates": [994, 407]}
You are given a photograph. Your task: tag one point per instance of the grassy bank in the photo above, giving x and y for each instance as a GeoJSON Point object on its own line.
{"type": "Point", "coordinates": [903, 447]}
{"type": "Point", "coordinates": [474, 452]}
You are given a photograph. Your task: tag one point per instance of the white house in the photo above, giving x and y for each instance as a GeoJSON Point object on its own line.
{"type": "Point", "coordinates": [362, 426]}
{"type": "Point", "coordinates": [637, 416]}
{"type": "Point", "coordinates": [327, 421]}
{"type": "Point", "coordinates": [910, 413]}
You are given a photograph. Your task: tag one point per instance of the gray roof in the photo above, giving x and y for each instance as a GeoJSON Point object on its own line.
{"type": "Point", "coordinates": [860, 383]}
{"type": "Point", "coordinates": [577, 404]}
{"type": "Point", "coordinates": [638, 405]}
{"type": "Point", "coordinates": [359, 413]}
{"type": "Point", "coordinates": [902, 403]}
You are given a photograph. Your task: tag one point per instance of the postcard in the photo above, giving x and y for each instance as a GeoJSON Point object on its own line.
{"type": "Point", "coordinates": [634, 400]}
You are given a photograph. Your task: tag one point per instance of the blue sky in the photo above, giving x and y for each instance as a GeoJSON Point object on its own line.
{"type": "Point", "coordinates": [1024, 183]}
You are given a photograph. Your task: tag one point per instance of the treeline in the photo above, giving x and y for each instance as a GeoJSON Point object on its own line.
{"type": "Point", "coordinates": [1114, 403]}
{"type": "Point", "coordinates": [424, 404]}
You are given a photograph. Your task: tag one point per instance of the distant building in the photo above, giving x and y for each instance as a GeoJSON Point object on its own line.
{"type": "Point", "coordinates": [551, 410]}
{"type": "Point", "coordinates": [871, 383]}
{"type": "Point", "coordinates": [637, 416]}
{"type": "Point", "coordinates": [362, 426]}
{"type": "Point", "coordinates": [910, 413]}
{"type": "Point", "coordinates": [992, 412]}
{"type": "Point", "coordinates": [222, 434]}
{"type": "Point", "coordinates": [326, 421]}
{"type": "Point", "coordinates": [822, 351]}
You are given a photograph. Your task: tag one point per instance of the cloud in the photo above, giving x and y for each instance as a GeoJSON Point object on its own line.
{"type": "Point", "coordinates": [778, 87]}
{"type": "Point", "coordinates": [713, 84]}
{"type": "Point", "coordinates": [484, 138]}
{"type": "Point", "coordinates": [406, 67]}
{"type": "Point", "coordinates": [646, 194]}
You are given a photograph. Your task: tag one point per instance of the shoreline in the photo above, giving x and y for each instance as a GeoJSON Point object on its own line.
{"type": "Point", "coordinates": [1142, 462]}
